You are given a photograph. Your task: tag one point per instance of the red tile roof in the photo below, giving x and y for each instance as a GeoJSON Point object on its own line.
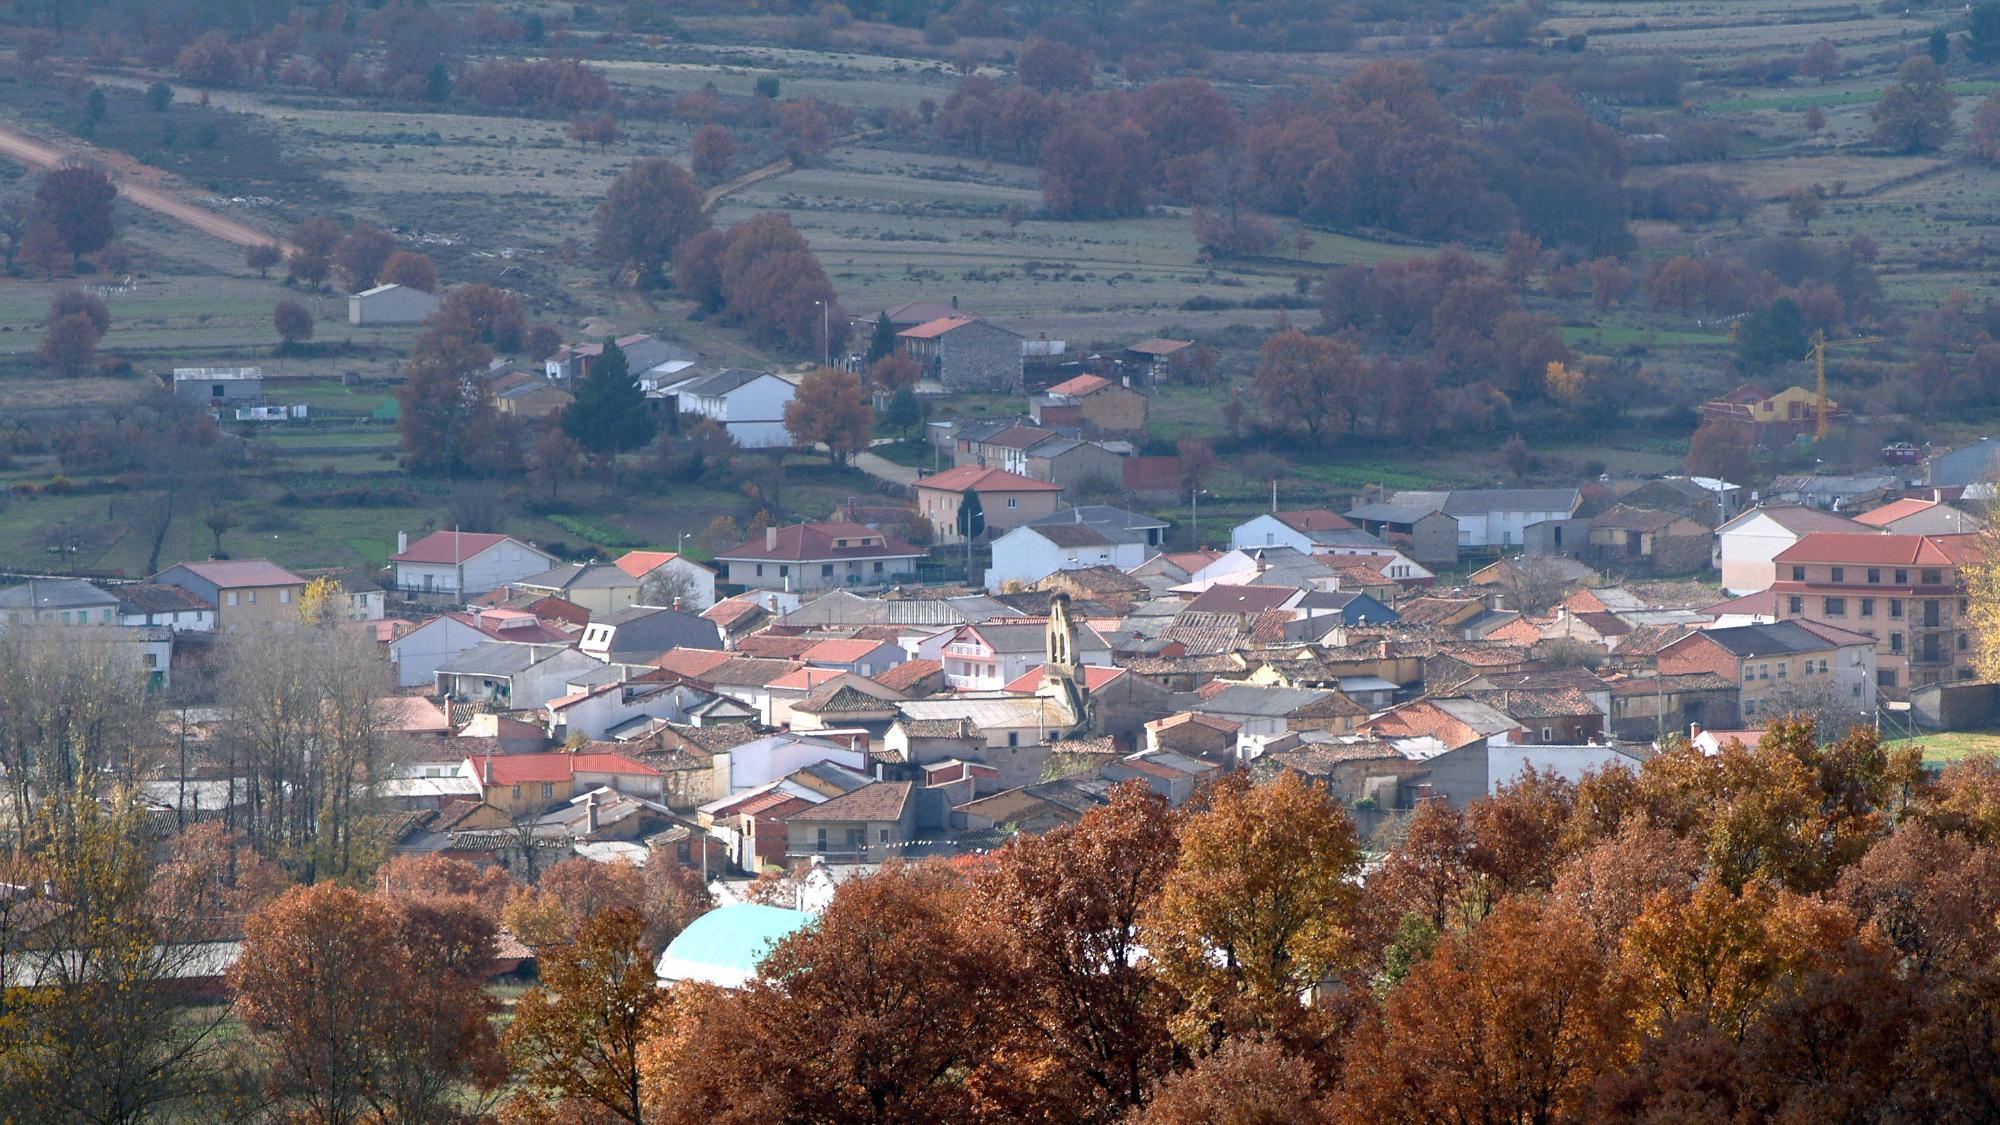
{"type": "Point", "coordinates": [1895, 510]}
{"type": "Point", "coordinates": [519, 769]}
{"type": "Point", "coordinates": [839, 651]}
{"type": "Point", "coordinates": [694, 662]}
{"type": "Point", "coordinates": [877, 801]}
{"type": "Point", "coordinates": [1881, 550]}
{"type": "Point", "coordinates": [812, 542]}
{"type": "Point", "coordinates": [906, 675]}
{"type": "Point", "coordinates": [1018, 437]}
{"type": "Point", "coordinates": [1313, 519]}
{"type": "Point", "coordinates": [1094, 677]}
{"type": "Point", "coordinates": [448, 547]}
{"type": "Point", "coordinates": [1763, 603]}
{"type": "Point", "coordinates": [976, 479]}
{"type": "Point", "coordinates": [1080, 386]}
{"type": "Point", "coordinates": [639, 564]}
{"type": "Point", "coordinates": [805, 679]}
{"type": "Point", "coordinates": [932, 329]}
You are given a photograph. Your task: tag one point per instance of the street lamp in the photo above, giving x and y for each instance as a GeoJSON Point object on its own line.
{"type": "Point", "coordinates": [825, 333]}
{"type": "Point", "coordinates": [680, 541]}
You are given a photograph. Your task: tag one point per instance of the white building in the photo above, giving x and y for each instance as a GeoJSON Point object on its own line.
{"type": "Point", "coordinates": [697, 580]}
{"type": "Point", "coordinates": [990, 656]}
{"type": "Point", "coordinates": [1745, 546]}
{"type": "Point", "coordinates": [419, 653]}
{"type": "Point", "coordinates": [748, 404]}
{"type": "Point", "coordinates": [1032, 552]}
{"type": "Point", "coordinates": [1496, 517]}
{"type": "Point", "coordinates": [146, 603]}
{"type": "Point", "coordinates": [390, 304]}
{"type": "Point", "coordinates": [464, 563]}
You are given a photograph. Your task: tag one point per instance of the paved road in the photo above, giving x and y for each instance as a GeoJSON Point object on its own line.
{"type": "Point", "coordinates": [144, 185]}
{"type": "Point", "coordinates": [881, 468]}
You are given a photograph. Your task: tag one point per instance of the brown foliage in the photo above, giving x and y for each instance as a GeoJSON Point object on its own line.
{"type": "Point", "coordinates": [830, 408]}
{"type": "Point", "coordinates": [410, 269]}
{"type": "Point", "coordinates": [1247, 1081]}
{"type": "Point", "coordinates": [360, 256]}
{"type": "Point", "coordinates": [575, 1039]}
{"type": "Point", "coordinates": [554, 910]}
{"type": "Point", "coordinates": [292, 321]}
{"type": "Point", "coordinates": [1052, 65]}
{"type": "Point", "coordinates": [75, 198]}
{"type": "Point", "coordinates": [69, 347]}
{"type": "Point", "coordinates": [651, 208]}
{"type": "Point", "coordinates": [714, 149]}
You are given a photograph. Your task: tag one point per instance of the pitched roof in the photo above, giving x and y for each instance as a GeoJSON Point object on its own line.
{"type": "Point", "coordinates": [1795, 518]}
{"type": "Point", "coordinates": [240, 573]}
{"type": "Point", "coordinates": [811, 542]}
{"type": "Point", "coordinates": [1156, 346]}
{"type": "Point", "coordinates": [1241, 599]}
{"type": "Point", "coordinates": [1310, 520]}
{"type": "Point", "coordinates": [1643, 520]}
{"type": "Point", "coordinates": [1896, 510]}
{"type": "Point", "coordinates": [976, 479]}
{"type": "Point", "coordinates": [841, 698]}
{"type": "Point", "coordinates": [452, 547]}
{"type": "Point", "coordinates": [878, 801]}
{"type": "Point", "coordinates": [917, 312]}
{"type": "Point", "coordinates": [722, 382]}
{"type": "Point", "coordinates": [151, 597]}
{"type": "Point", "coordinates": [1080, 386]}
{"type": "Point", "coordinates": [1766, 640]}
{"type": "Point", "coordinates": [1881, 550]}
{"type": "Point", "coordinates": [839, 651]}
{"type": "Point", "coordinates": [519, 769]}
{"type": "Point", "coordinates": [55, 593]}
{"type": "Point", "coordinates": [932, 329]}
{"type": "Point", "coordinates": [1070, 534]}
{"type": "Point", "coordinates": [908, 674]}
{"type": "Point", "coordinates": [1095, 678]}
{"type": "Point", "coordinates": [639, 564]}
{"type": "Point", "coordinates": [693, 662]}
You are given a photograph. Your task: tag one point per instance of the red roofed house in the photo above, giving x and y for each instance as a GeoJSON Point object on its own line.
{"type": "Point", "coordinates": [859, 656]}
{"type": "Point", "coordinates": [1911, 516]}
{"type": "Point", "coordinates": [965, 353]}
{"type": "Point", "coordinates": [463, 562]}
{"type": "Point", "coordinates": [418, 653]}
{"type": "Point", "coordinates": [818, 556]}
{"type": "Point", "coordinates": [244, 592]}
{"type": "Point", "coordinates": [523, 784]}
{"type": "Point", "coordinates": [690, 581]}
{"type": "Point", "coordinates": [1091, 400]}
{"type": "Point", "coordinates": [1008, 499]}
{"type": "Point", "coordinates": [1903, 590]}
{"type": "Point", "coordinates": [867, 825]}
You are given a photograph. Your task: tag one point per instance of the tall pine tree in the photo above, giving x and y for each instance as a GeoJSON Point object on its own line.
{"type": "Point", "coordinates": [609, 415]}
{"type": "Point", "coordinates": [883, 340]}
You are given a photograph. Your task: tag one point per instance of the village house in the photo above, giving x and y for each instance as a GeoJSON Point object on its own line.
{"type": "Point", "coordinates": [1159, 360]}
{"type": "Point", "coordinates": [1006, 499]}
{"type": "Point", "coordinates": [207, 387]}
{"type": "Point", "coordinates": [244, 592]}
{"type": "Point", "coordinates": [57, 601]}
{"type": "Point", "coordinates": [696, 581]}
{"type": "Point", "coordinates": [873, 823]}
{"type": "Point", "coordinates": [390, 304]}
{"type": "Point", "coordinates": [1745, 546]}
{"type": "Point", "coordinates": [1906, 591]}
{"type": "Point", "coordinates": [644, 356]}
{"type": "Point", "coordinates": [638, 634]}
{"type": "Point", "coordinates": [1912, 516]}
{"type": "Point", "coordinates": [819, 556]}
{"type": "Point", "coordinates": [1768, 420]}
{"type": "Point", "coordinates": [997, 444]}
{"type": "Point", "coordinates": [149, 603]}
{"type": "Point", "coordinates": [1495, 517]}
{"type": "Point", "coordinates": [990, 655]}
{"type": "Point", "coordinates": [463, 563]}
{"type": "Point", "coordinates": [599, 588]}
{"type": "Point", "coordinates": [1303, 531]}
{"type": "Point", "coordinates": [965, 354]}
{"type": "Point", "coordinates": [1091, 401]}
{"type": "Point", "coordinates": [418, 653]}
{"type": "Point", "coordinates": [1653, 706]}
{"type": "Point", "coordinates": [526, 784]}
{"type": "Point", "coordinates": [520, 677]}
{"type": "Point", "coordinates": [748, 404]}
{"type": "Point", "coordinates": [1773, 664]}
{"type": "Point", "coordinates": [1641, 541]}
{"type": "Point", "coordinates": [1425, 534]}
{"type": "Point", "coordinates": [1075, 464]}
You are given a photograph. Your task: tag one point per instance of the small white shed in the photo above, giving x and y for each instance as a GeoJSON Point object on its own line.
{"type": "Point", "coordinates": [390, 304]}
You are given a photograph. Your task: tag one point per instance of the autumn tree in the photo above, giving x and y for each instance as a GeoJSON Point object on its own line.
{"type": "Point", "coordinates": [609, 415]}
{"type": "Point", "coordinates": [651, 208]}
{"type": "Point", "coordinates": [1821, 60]}
{"type": "Point", "coordinates": [713, 151]}
{"type": "Point", "coordinates": [481, 314]}
{"type": "Point", "coordinates": [1512, 1022]}
{"type": "Point", "coordinates": [895, 370]}
{"type": "Point", "coordinates": [830, 408]}
{"type": "Point", "coordinates": [293, 322]}
{"type": "Point", "coordinates": [409, 269]}
{"type": "Point", "coordinates": [552, 910]}
{"type": "Point", "coordinates": [1301, 378]}
{"type": "Point", "coordinates": [1246, 1081]}
{"type": "Point", "coordinates": [770, 281]}
{"type": "Point", "coordinates": [1244, 927]}
{"type": "Point", "coordinates": [1719, 450]}
{"type": "Point", "coordinates": [1053, 65]}
{"type": "Point", "coordinates": [69, 347]}
{"type": "Point", "coordinates": [447, 419]}
{"type": "Point", "coordinates": [262, 257]}
{"type": "Point", "coordinates": [1914, 115]}
{"type": "Point", "coordinates": [1074, 898]}
{"type": "Point", "coordinates": [804, 129]}
{"type": "Point", "coordinates": [361, 255]}
{"type": "Point", "coordinates": [555, 460]}
{"type": "Point", "coordinates": [574, 1041]}
{"type": "Point", "coordinates": [433, 875]}
{"type": "Point", "coordinates": [75, 198]}
{"type": "Point", "coordinates": [313, 240]}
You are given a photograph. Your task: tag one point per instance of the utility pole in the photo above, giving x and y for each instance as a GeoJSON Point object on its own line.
{"type": "Point", "coordinates": [825, 334]}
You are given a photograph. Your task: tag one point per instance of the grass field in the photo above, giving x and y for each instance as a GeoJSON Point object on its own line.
{"type": "Point", "coordinates": [1942, 749]}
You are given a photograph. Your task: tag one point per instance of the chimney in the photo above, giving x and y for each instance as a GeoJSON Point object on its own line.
{"type": "Point", "coordinates": [489, 768]}
{"type": "Point", "coordinates": [1694, 732]}
{"type": "Point", "coordinates": [770, 538]}
{"type": "Point", "coordinates": [448, 728]}
{"type": "Point", "coordinates": [402, 542]}
{"type": "Point", "coordinates": [590, 811]}
{"type": "Point", "coordinates": [677, 603]}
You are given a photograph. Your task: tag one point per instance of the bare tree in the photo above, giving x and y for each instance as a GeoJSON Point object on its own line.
{"type": "Point", "coordinates": [1821, 700]}
{"type": "Point", "coordinates": [666, 586]}
{"type": "Point", "coordinates": [73, 706]}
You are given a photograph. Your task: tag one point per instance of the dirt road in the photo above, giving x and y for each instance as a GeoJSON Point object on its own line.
{"type": "Point", "coordinates": [144, 185]}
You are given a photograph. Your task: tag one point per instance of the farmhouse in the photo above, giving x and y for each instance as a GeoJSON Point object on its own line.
{"type": "Point", "coordinates": [965, 354]}
{"type": "Point", "coordinates": [463, 562]}
{"type": "Point", "coordinates": [244, 592]}
{"type": "Point", "coordinates": [390, 304]}
{"type": "Point", "coordinates": [818, 556]}
{"type": "Point", "coordinates": [1091, 400]}
{"type": "Point", "coordinates": [219, 386]}
{"type": "Point", "coordinates": [748, 404]}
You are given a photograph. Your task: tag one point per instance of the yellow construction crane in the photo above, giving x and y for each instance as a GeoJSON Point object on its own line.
{"type": "Point", "coordinates": [1818, 355]}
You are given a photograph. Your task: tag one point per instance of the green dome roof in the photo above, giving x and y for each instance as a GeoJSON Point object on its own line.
{"type": "Point", "coordinates": [723, 946]}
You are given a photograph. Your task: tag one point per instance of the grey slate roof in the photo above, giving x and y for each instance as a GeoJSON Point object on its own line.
{"type": "Point", "coordinates": [580, 576]}
{"type": "Point", "coordinates": [1768, 640]}
{"type": "Point", "coordinates": [56, 593]}
{"type": "Point", "coordinates": [1259, 701]}
{"type": "Point", "coordinates": [722, 382]}
{"type": "Point", "coordinates": [499, 658]}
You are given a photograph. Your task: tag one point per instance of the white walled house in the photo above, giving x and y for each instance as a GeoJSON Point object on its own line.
{"type": "Point", "coordinates": [748, 404]}
{"type": "Point", "coordinates": [419, 653]}
{"type": "Point", "coordinates": [1746, 545]}
{"type": "Point", "coordinates": [1496, 517]}
{"type": "Point", "coordinates": [1030, 553]}
{"type": "Point", "coordinates": [698, 579]}
{"type": "Point", "coordinates": [464, 563]}
{"type": "Point", "coordinates": [145, 603]}
{"type": "Point", "coordinates": [390, 304]}
{"type": "Point", "coordinates": [988, 657]}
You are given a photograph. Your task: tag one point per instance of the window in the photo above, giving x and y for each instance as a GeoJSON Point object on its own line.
{"type": "Point", "coordinates": [153, 659]}
{"type": "Point", "coordinates": [1836, 607]}
{"type": "Point", "coordinates": [1895, 642]}
{"type": "Point", "coordinates": [1822, 664]}
{"type": "Point", "coordinates": [1795, 605]}
{"type": "Point", "coordinates": [1874, 575]}
{"type": "Point", "coordinates": [1902, 578]}
{"type": "Point", "coordinates": [1808, 669]}
{"type": "Point", "coordinates": [548, 790]}
{"type": "Point", "coordinates": [784, 572]}
{"type": "Point", "coordinates": [1763, 671]}
{"type": "Point", "coordinates": [878, 566]}
{"type": "Point", "coordinates": [1013, 738]}
{"type": "Point", "coordinates": [1885, 677]}
{"type": "Point", "coordinates": [284, 597]}
{"type": "Point", "coordinates": [1749, 674]}
{"type": "Point", "coordinates": [1547, 735]}
{"type": "Point", "coordinates": [1867, 607]}
{"type": "Point", "coordinates": [230, 598]}
{"type": "Point", "coordinates": [1798, 574]}
{"type": "Point", "coordinates": [1781, 670]}
{"type": "Point", "coordinates": [252, 594]}
{"type": "Point", "coordinates": [1895, 609]}
{"type": "Point", "coordinates": [517, 792]}
{"type": "Point", "coordinates": [1840, 574]}
{"type": "Point", "coordinates": [1961, 642]}
{"type": "Point", "coordinates": [822, 839]}
{"type": "Point", "coordinates": [1929, 577]}
{"type": "Point", "coordinates": [826, 570]}
{"type": "Point", "coordinates": [1013, 501]}
{"type": "Point", "coordinates": [885, 835]}
{"type": "Point", "coordinates": [760, 570]}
